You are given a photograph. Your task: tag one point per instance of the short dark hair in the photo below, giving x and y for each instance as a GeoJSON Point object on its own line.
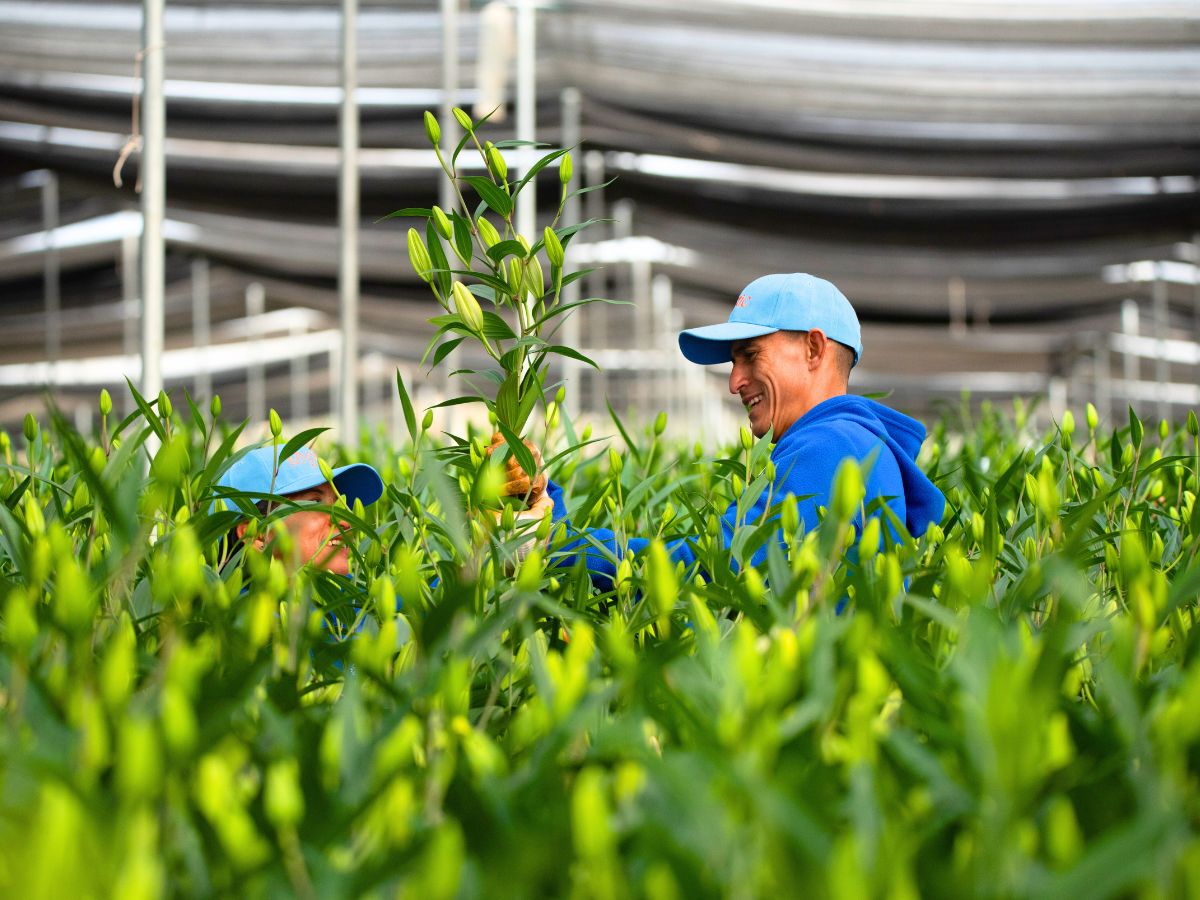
{"type": "Point", "coordinates": [843, 356]}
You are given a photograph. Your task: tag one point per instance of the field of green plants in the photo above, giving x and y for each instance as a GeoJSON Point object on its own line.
{"type": "Point", "coordinates": [1008, 705]}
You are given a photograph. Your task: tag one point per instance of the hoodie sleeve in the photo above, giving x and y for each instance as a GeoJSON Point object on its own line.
{"type": "Point", "coordinates": [601, 561]}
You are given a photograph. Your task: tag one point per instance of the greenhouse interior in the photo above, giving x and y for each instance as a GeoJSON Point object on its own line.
{"type": "Point", "coordinates": [1007, 192]}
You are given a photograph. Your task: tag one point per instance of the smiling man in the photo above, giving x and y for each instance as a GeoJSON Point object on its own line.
{"type": "Point", "coordinates": [793, 340]}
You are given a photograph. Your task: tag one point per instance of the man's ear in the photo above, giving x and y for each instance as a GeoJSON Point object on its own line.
{"type": "Point", "coordinates": [816, 345]}
{"type": "Point", "coordinates": [241, 533]}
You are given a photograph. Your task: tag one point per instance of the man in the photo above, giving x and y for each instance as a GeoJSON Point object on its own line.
{"type": "Point", "coordinates": [793, 340]}
{"type": "Point", "coordinates": [317, 536]}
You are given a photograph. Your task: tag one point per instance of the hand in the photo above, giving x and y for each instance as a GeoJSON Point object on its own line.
{"type": "Point", "coordinates": [517, 481]}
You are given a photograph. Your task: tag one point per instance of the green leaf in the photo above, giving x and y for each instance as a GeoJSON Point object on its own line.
{"type": "Point", "coordinates": [420, 212]}
{"type": "Point", "coordinates": [496, 328]}
{"type": "Point", "coordinates": [517, 448]}
{"type": "Point", "coordinates": [410, 415]}
{"type": "Point", "coordinates": [493, 196]}
{"type": "Point", "coordinates": [303, 438]}
{"type": "Point", "coordinates": [437, 256]}
{"type": "Point", "coordinates": [508, 401]}
{"type": "Point", "coordinates": [1136, 430]}
{"type": "Point", "coordinates": [538, 166]}
{"type": "Point", "coordinates": [565, 307]}
{"type": "Point", "coordinates": [573, 354]}
{"type": "Point", "coordinates": [147, 412]}
{"type": "Point", "coordinates": [507, 248]}
{"type": "Point", "coordinates": [462, 236]}
{"type": "Point", "coordinates": [446, 348]}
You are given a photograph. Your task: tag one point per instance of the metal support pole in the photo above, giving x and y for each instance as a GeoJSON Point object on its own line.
{"type": "Point", "coordinates": [201, 320]}
{"type": "Point", "coordinates": [348, 225]}
{"type": "Point", "coordinates": [572, 327]}
{"type": "Point", "coordinates": [1162, 367]}
{"type": "Point", "coordinates": [1103, 377]}
{"type": "Point", "coordinates": [527, 110]}
{"type": "Point", "coordinates": [256, 376]}
{"type": "Point", "coordinates": [51, 282]}
{"type": "Point", "coordinates": [298, 408]}
{"type": "Point", "coordinates": [448, 123]}
{"type": "Point", "coordinates": [130, 293]}
{"type": "Point", "coordinates": [1130, 364]}
{"type": "Point", "coordinates": [957, 291]}
{"type": "Point", "coordinates": [153, 176]}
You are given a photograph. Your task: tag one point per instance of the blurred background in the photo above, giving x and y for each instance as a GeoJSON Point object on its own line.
{"type": "Point", "coordinates": [1007, 192]}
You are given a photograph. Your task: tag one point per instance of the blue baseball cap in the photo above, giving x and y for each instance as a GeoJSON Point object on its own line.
{"type": "Point", "coordinates": [795, 302]}
{"type": "Point", "coordinates": [251, 474]}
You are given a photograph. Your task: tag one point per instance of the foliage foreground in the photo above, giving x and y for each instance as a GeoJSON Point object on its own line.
{"type": "Point", "coordinates": [1006, 706]}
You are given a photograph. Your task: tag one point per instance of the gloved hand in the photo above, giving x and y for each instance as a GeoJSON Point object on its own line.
{"type": "Point", "coordinates": [517, 481]}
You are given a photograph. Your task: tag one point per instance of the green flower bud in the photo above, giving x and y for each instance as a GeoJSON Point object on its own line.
{"type": "Point", "coordinates": [1093, 417]}
{"type": "Point", "coordinates": [326, 472]}
{"type": "Point", "coordinates": [1068, 423]}
{"type": "Point", "coordinates": [1164, 429]}
{"type": "Point", "coordinates": [164, 405]}
{"type": "Point", "coordinates": [463, 119]}
{"type": "Point", "coordinates": [660, 423]}
{"type": "Point", "coordinates": [508, 518]}
{"type": "Point", "coordinates": [442, 223]}
{"type": "Point", "coordinates": [276, 424]}
{"type": "Point", "coordinates": [1193, 426]}
{"type": "Point", "coordinates": [746, 437]}
{"type": "Point", "coordinates": [418, 255]}
{"type": "Point", "coordinates": [427, 422]}
{"type": "Point", "coordinates": [496, 162]}
{"type": "Point", "coordinates": [554, 247]}
{"type": "Point", "coordinates": [433, 131]}
{"type": "Point", "coordinates": [515, 278]}
{"type": "Point", "coordinates": [487, 231]}
{"type": "Point", "coordinates": [214, 406]}
{"type": "Point", "coordinates": [616, 462]}
{"type": "Point", "coordinates": [105, 402]}
{"type": "Point", "coordinates": [848, 489]}
{"type": "Point", "coordinates": [560, 395]}
{"type": "Point", "coordinates": [467, 307]}
{"type": "Point", "coordinates": [564, 168]}
{"type": "Point", "coordinates": [30, 427]}
{"type": "Point", "coordinates": [535, 281]}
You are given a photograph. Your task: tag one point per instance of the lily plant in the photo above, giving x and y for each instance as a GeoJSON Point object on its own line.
{"type": "Point", "coordinates": [490, 281]}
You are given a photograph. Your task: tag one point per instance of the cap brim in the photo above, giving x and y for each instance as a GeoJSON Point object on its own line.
{"type": "Point", "coordinates": [713, 344]}
{"type": "Point", "coordinates": [358, 481]}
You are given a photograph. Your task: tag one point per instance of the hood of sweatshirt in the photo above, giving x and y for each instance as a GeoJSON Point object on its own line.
{"type": "Point", "coordinates": [901, 434]}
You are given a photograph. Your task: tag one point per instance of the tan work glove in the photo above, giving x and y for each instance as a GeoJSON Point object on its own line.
{"type": "Point", "coordinates": [516, 480]}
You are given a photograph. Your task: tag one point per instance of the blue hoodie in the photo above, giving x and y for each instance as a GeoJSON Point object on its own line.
{"type": "Point", "coordinates": [806, 457]}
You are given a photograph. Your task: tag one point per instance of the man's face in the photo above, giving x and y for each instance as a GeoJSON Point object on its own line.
{"type": "Point", "coordinates": [771, 376]}
{"type": "Point", "coordinates": [317, 535]}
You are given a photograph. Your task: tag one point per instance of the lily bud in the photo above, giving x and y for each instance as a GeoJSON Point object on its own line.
{"type": "Point", "coordinates": [427, 422]}
{"type": "Point", "coordinates": [746, 437]}
{"type": "Point", "coordinates": [467, 307]}
{"type": "Point", "coordinates": [442, 223]}
{"type": "Point", "coordinates": [276, 424]}
{"type": "Point", "coordinates": [1093, 417]}
{"type": "Point", "coordinates": [214, 406]}
{"type": "Point", "coordinates": [418, 255]}
{"type": "Point", "coordinates": [30, 428]}
{"type": "Point", "coordinates": [326, 472]}
{"type": "Point", "coordinates": [164, 405]}
{"type": "Point", "coordinates": [564, 168]}
{"type": "Point", "coordinates": [554, 247]}
{"type": "Point", "coordinates": [496, 162]}
{"type": "Point", "coordinates": [534, 279]}
{"type": "Point", "coordinates": [487, 231]}
{"type": "Point", "coordinates": [560, 395]}
{"type": "Point", "coordinates": [660, 423]}
{"type": "Point", "coordinates": [105, 402]}
{"type": "Point", "coordinates": [433, 131]}
{"type": "Point", "coordinates": [463, 119]}
{"type": "Point", "coordinates": [515, 278]}
{"type": "Point", "coordinates": [1193, 425]}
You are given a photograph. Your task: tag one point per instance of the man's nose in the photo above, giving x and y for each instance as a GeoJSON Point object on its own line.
{"type": "Point", "coordinates": [736, 379]}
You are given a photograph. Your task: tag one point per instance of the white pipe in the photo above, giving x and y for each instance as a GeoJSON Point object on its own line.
{"type": "Point", "coordinates": [201, 325]}
{"type": "Point", "coordinates": [450, 130]}
{"type": "Point", "coordinates": [348, 279]}
{"type": "Point", "coordinates": [153, 178]}
{"type": "Point", "coordinates": [527, 110]}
